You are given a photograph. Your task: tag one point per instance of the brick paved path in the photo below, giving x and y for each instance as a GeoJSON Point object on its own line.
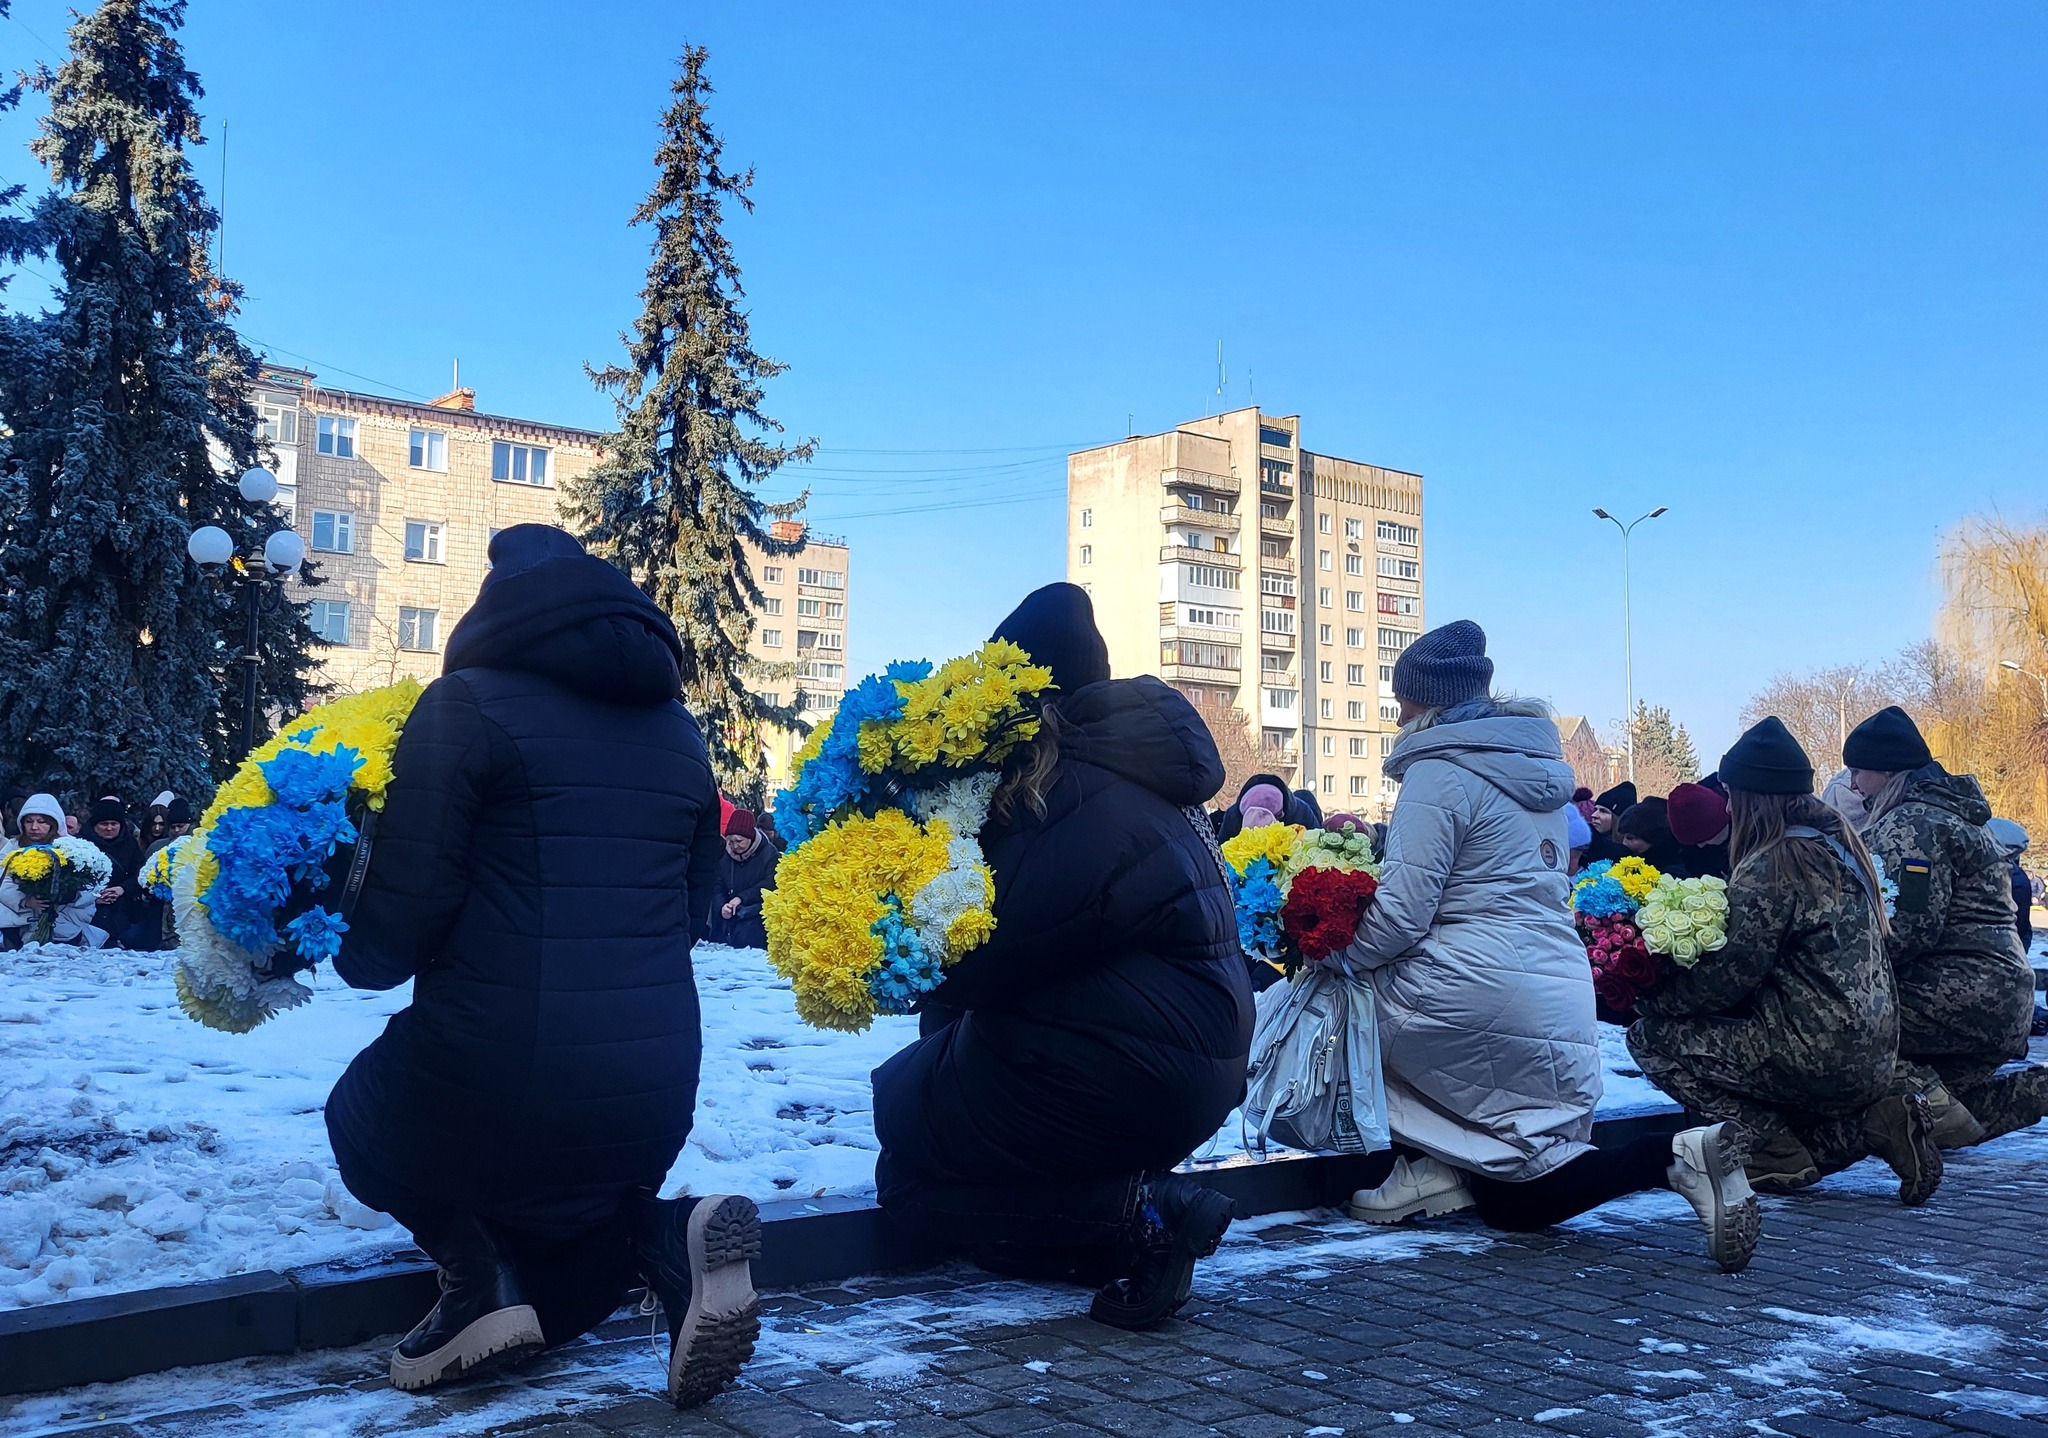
{"type": "Point", "coordinates": [1857, 1316]}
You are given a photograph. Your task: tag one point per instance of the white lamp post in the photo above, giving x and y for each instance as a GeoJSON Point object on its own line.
{"type": "Point", "coordinates": [1628, 638]}
{"type": "Point", "coordinates": [259, 576]}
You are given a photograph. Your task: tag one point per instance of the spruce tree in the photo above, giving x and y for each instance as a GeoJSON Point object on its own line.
{"type": "Point", "coordinates": [677, 491]}
{"type": "Point", "coordinates": [121, 659]}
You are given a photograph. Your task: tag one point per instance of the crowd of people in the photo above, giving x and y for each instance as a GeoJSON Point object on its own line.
{"type": "Point", "coordinates": [519, 1115]}
{"type": "Point", "coordinates": [120, 913]}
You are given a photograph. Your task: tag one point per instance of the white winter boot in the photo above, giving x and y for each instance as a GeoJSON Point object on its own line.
{"type": "Point", "coordinates": [1417, 1185]}
{"type": "Point", "coordinates": [1707, 1168]}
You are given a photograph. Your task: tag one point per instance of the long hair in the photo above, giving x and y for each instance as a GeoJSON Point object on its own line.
{"type": "Point", "coordinates": [1888, 798]}
{"type": "Point", "coordinates": [1494, 705]}
{"type": "Point", "coordinates": [1756, 830]}
{"type": "Point", "coordinates": [1029, 772]}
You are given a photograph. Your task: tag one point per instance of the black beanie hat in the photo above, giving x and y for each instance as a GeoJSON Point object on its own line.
{"type": "Point", "coordinates": [108, 808]}
{"type": "Point", "coordinates": [178, 811]}
{"type": "Point", "coordinates": [1650, 820]}
{"type": "Point", "coordinates": [1767, 760]}
{"type": "Point", "coordinates": [1056, 627]}
{"type": "Point", "coordinates": [1620, 799]}
{"type": "Point", "coordinates": [1888, 741]}
{"type": "Point", "coordinates": [520, 548]}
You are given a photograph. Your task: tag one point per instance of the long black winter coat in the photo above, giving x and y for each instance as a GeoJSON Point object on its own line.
{"type": "Point", "coordinates": [544, 860]}
{"type": "Point", "coordinates": [1103, 1029]}
{"type": "Point", "coordinates": [745, 880]}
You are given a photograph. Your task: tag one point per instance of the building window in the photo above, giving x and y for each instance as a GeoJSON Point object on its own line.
{"type": "Point", "coordinates": [1354, 674]}
{"type": "Point", "coordinates": [1386, 745]}
{"type": "Point", "coordinates": [334, 531]}
{"type": "Point", "coordinates": [1326, 707]}
{"type": "Point", "coordinates": [1394, 533]}
{"type": "Point", "coordinates": [1329, 746]}
{"type": "Point", "coordinates": [1396, 639]}
{"type": "Point", "coordinates": [518, 463]}
{"type": "Point", "coordinates": [771, 638]}
{"type": "Point", "coordinates": [1323, 634]}
{"type": "Point", "coordinates": [1087, 554]}
{"type": "Point", "coordinates": [1358, 783]}
{"type": "Point", "coordinates": [336, 436]}
{"type": "Point", "coordinates": [1208, 576]}
{"type": "Point", "coordinates": [428, 449]}
{"type": "Point", "coordinates": [278, 423]}
{"type": "Point", "coordinates": [1329, 783]}
{"type": "Point", "coordinates": [1323, 598]}
{"type": "Point", "coordinates": [771, 574]}
{"type": "Point", "coordinates": [423, 542]}
{"type": "Point", "coordinates": [827, 639]}
{"type": "Point", "coordinates": [1323, 522]}
{"type": "Point", "coordinates": [1392, 568]}
{"type": "Point", "coordinates": [330, 619]}
{"type": "Point", "coordinates": [1354, 564]}
{"type": "Point", "coordinates": [1354, 709]}
{"type": "Point", "coordinates": [1358, 746]}
{"type": "Point", "coordinates": [1354, 600]}
{"type": "Point", "coordinates": [834, 609]}
{"type": "Point", "coordinates": [1087, 519]}
{"type": "Point", "coordinates": [810, 608]}
{"type": "Point", "coordinates": [1278, 437]}
{"type": "Point", "coordinates": [1400, 604]}
{"type": "Point", "coordinates": [822, 578]}
{"type": "Point", "coordinates": [418, 628]}
{"type": "Point", "coordinates": [1323, 559]}
{"type": "Point", "coordinates": [1323, 671]}
{"type": "Point", "coordinates": [771, 606]}
{"type": "Point", "coordinates": [1354, 529]}
{"type": "Point", "coordinates": [1276, 621]}
{"type": "Point", "coordinates": [1390, 713]}
{"type": "Point", "coordinates": [1354, 636]}
{"type": "Point", "coordinates": [1200, 654]}
{"type": "Point", "coordinates": [1281, 698]}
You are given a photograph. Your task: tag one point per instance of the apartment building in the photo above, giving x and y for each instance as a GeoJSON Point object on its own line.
{"type": "Point", "coordinates": [801, 630]}
{"type": "Point", "coordinates": [397, 501]}
{"type": "Point", "coordinates": [1273, 585]}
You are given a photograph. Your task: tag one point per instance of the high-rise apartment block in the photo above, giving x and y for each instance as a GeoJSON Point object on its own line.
{"type": "Point", "coordinates": [397, 501]}
{"type": "Point", "coordinates": [1298, 645]}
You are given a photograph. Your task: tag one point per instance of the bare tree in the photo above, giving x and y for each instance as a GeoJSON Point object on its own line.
{"type": "Point", "coordinates": [1820, 708]}
{"type": "Point", "coordinates": [1233, 732]}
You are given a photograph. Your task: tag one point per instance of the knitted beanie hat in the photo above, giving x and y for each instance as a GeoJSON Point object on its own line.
{"type": "Point", "coordinates": [1768, 760]}
{"type": "Point", "coordinates": [1696, 814]}
{"type": "Point", "coordinates": [1446, 666]}
{"type": "Point", "coordinates": [1888, 741]}
{"type": "Point", "coordinates": [741, 823]}
{"type": "Point", "coordinates": [1055, 625]}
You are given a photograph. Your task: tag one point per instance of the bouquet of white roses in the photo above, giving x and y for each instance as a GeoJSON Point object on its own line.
{"type": "Point", "coordinates": [1684, 918]}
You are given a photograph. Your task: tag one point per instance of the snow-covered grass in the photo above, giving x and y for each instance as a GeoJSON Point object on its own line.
{"type": "Point", "coordinates": [138, 1148]}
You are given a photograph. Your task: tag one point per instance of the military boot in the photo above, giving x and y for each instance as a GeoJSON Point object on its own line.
{"type": "Point", "coordinates": [1781, 1164]}
{"type": "Point", "coordinates": [1954, 1125]}
{"type": "Point", "coordinates": [1178, 1223]}
{"type": "Point", "coordinates": [482, 1320]}
{"type": "Point", "coordinates": [697, 1256]}
{"type": "Point", "coordinates": [1901, 1132]}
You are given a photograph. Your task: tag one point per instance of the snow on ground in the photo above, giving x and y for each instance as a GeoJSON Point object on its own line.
{"type": "Point", "coordinates": [138, 1148]}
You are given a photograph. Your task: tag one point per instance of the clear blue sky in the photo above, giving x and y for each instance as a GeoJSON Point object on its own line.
{"type": "Point", "coordinates": [1778, 267]}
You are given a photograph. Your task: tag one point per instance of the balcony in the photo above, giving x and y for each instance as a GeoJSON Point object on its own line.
{"type": "Point", "coordinates": [1278, 528]}
{"type": "Point", "coordinates": [1201, 674]}
{"type": "Point", "coordinates": [1177, 553]}
{"type": "Point", "coordinates": [1282, 755]}
{"type": "Point", "coordinates": [1200, 479]}
{"type": "Point", "coordinates": [1205, 518]}
{"type": "Point", "coordinates": [1200, 633]}
{"type": "Point", "coordinates": [1274, 639]}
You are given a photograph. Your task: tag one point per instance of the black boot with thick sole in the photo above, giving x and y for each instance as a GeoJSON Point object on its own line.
{"type": "Point", "coordinates": [697, 1256]}
{"type": "Point", "coordinates": [1179, 1223]}
{"type": "Point", "coordinates": [482, 1322]}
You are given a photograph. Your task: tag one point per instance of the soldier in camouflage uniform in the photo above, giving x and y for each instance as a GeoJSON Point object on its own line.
{"type": "Point", "coordinates": [1791, 1030]}
{"type": "Point", "coordinates": [1966, 992]}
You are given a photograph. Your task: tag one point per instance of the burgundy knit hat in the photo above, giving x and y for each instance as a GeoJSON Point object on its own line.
{"type": "Point", "coordinates": [741, 823]}
{"type": "Point", "coordinates": [1696, 814]}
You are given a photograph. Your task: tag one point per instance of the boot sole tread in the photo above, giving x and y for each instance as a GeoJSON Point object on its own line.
{"type": "Point", "coordinates": [491, 1342]}
{"type": "Point", "coordinates": [1434, 1206]}
{"type": "Point", "coordinates": [717, 1335]}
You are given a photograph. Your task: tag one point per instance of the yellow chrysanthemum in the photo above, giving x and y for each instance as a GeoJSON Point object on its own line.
{"type": "Point", "coordinates": [874, 747]}
{"type": "Point", "coordinates": [1273, 842]}
{"type": "Point", "coordinates": [970, 931]}
{"type": "Point", "coordinates": [368, 723]}
{"type": "Point", "coordinates": [970, 709]}
{"type": "Point", "coordinates": [1636, 877]}
{"type": "Point", "coordinates": [828, 895]}
{"type": "Point", "coordinates": [30, 865]}
{"type": "Point", "coordinates": [808, 750]}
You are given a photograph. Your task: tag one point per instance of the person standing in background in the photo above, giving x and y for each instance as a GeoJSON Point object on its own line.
{"type": "Point", "coordinates": [745, 872]}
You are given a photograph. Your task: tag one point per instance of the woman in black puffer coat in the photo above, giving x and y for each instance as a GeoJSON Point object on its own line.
{"type": "Point", "coordinates": [1101, 1035]}
{"type": "Point", "coordinates": [543, 863]}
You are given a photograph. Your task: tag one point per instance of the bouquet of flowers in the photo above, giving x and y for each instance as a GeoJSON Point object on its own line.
{"type": "Point", "coordinates": [885, 884]}
{"type": "Point", "coordinates": [249, 884]}
{"type": "Point", "coordinates": [1300, 892]}
{"type": "Point", "coordinates": [161, 868]}
{"type": "Point", "coordinates": [1684, 918]}
{"type": "Point", "coordinates": [1605, 902]}
{"type": "Point", "coordinates": [57, 873]}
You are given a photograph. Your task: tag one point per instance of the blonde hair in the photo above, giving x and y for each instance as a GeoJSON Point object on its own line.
{"type": "Point", "coordinates": [1511, 705]}
{"type": "Point", "coordinates": [1756, 830]}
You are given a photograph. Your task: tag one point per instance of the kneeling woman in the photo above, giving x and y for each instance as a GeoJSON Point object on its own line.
{"type": "Point", "coordinates": [1485, 996]}
{"type": "Point", "coordinates": [1100, 1036]}
{"type": "Point", "coordinates": [1788, 1031]}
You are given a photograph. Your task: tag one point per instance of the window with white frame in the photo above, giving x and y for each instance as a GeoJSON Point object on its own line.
{"type": "Point", "coordinates": [1329, 783]}
{"type": "Point", "coordinates": [1394, 533]}
{"type": "Point", "coordinates": [1393, 568]}
{"type": "Point", "coordinates": [1386, 745]}
{"type": "Point", "coordinates": [1358, 746]}
{"type": "Point", "coordinates": [1329, 746]}
{"type": "Point", "coordinates": [1354, 564]}
{"type": "Point", "coordinates": [1322, 559]}
{"type": "Point", "coordinates": [1354, 674]}
{"type": "Point", "coordinates": [1354, 600]}
{"type": "Point", "coordinates": [519, 463]}
{"type": "Point", "coordinates": [1087, 519]}
{"type": "Point", "coordinates": [427, 449]}
{"type": "Point", "coordinates": [1354, 636]}
{"type": "Point", "coordinates": [336, 435]}
{"type": "Point", "coordinates": [1354, 529]}
{"type": "Point", "coordinates": [1397, 639]}
{"type": "Point", "coordinates": [1281, 698]}
{"type": "Point", "coordinates": [831, 639]}
{"type": "Point", "coordinates": [278, 423]}
{"type": "Point", "coordinates": [1323, 522]}
{"type": "Point", "coordinates": [810, 608]}
{"type": "Point", "coordinates": [771, 605]}
{"type": "Point", "coordinates": [1322, 634]}
{"type": "Point", "coordinates": [1354, 709]}
{"type": "Point", "coordinates": [1327, 708]}
{"type": "Point", "coordinates": [419, 629]}
{"type": "Point", "coordinates": [1087, 554]}
{"type": "Point", "coordinates": [771, 638]}
{"type": "Point", "coordinates": [822, 578]}
{"type": "Point", "coordinates": [1390, 713]}
{"type": "Point", "coordinates": [329, 619]}
{"type": "Point", "coordinates": [1323, 598]}
{"type": "Point", "coordinates": [771, 574]}
{"type": "Point", "coordinates": [1276, 621]}
{"type": "Point", "coordinates": [423, 541]}
{"type": "Point", "coordinates": [334, 531]}
{"type": "Point", "coordinates": [834, 609]}
{"type": "Point", "coordinates": [1323, 670]}
{"type": "Point", "coordinates": [1358, 783]}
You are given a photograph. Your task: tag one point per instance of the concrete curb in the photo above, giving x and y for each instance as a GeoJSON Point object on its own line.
{"type": "Point", "coordinates": [100, 1340]}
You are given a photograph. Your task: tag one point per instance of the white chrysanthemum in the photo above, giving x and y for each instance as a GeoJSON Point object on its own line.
{"type": "Point", "coordinates": [961, 889]}
{"type": "Point", "coordinates": [218, 980]}
{"type": "Point", "coordinates": [962, 803]}
{"type": "Point", "coordinates": [87, 859]}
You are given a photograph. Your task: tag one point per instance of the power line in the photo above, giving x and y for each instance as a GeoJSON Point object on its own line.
{"type": "Point", "coordinates": [935, 508]}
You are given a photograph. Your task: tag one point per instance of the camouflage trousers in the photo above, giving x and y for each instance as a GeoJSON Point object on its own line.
{"type": "Point", "coordinates": [2001, 1102]}
{"type": "Point", "coordinates": [1722, 1072]}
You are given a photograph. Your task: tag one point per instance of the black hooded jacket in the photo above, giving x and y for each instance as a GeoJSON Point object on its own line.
{"type": "Point", "coordinates": [1103, 1029]}
{"type": "Point", "coordinates": [544, 859]}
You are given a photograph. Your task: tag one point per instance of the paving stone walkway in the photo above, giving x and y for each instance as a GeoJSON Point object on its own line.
{"type": "Point", "coordinates": [1857, 1317]}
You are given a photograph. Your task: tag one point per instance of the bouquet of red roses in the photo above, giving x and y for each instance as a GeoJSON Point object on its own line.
{"type": "Point", "coordinates": [1323, 908]}
{"type": "Point", "coordinates": [1623, 965]}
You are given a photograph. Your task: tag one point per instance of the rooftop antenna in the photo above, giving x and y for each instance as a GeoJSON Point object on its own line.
{"type": "Point", "coordinates": [1251, 392]}
{"type": "Point", "coordinates": [1130, 424]}
{"type": "Point", "coordinates": [1222, 378]}
{"type": "Point", "coordinates": [458, 375]}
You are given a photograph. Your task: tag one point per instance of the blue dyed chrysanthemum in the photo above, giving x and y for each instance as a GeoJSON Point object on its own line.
{"type": "Point", "coordinates": [1258, 907]}
{"type": "Point", "coordinates": [834, 781]}
{"type": "Point", "coordinates": [908, 970]}
{"type": "Point", "coordinates": [316, 934]}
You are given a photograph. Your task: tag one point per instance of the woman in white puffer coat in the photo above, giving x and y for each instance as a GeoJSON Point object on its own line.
{"type": "Point", "coordinates": [43, 819]}
{"type": "Point", "coordinates": [1485, 995]}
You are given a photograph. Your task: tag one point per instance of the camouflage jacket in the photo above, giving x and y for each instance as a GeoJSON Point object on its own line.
{"type": "Point", "coordinates": [1954, 943]}
{"type": "Point", "coordinates": [1802, 986]}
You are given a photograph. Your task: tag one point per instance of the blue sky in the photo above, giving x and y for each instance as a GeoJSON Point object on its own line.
{"type": "Point", "coordinates": [1777, 267]}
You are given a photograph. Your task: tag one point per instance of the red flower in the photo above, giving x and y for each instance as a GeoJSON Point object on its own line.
{"type": "Point", "coordinates": [1615, 991]}
{"type": "Point", "coordinates": [1323, 909]}
{"type": "Point", "coordinates": [1639, 966]}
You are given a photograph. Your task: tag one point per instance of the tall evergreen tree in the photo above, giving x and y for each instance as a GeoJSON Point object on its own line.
{"type": "Point", "coordinates": [1665, 756]}
{"type": "Point", "coordinates": [118, 654]}
{"type": "Point", "coordinates": [677, 491]}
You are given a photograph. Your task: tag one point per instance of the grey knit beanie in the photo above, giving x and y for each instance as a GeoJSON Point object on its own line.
{"type": "Point", "coordinates": [1446, 666]}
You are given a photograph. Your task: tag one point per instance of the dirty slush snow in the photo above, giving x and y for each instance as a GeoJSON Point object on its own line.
{"type": "Point", "coordinates": [138, 1148]}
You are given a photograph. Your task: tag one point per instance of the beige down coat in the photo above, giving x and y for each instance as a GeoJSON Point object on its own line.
{"type": "Point", "coordinates": [1485, 997]}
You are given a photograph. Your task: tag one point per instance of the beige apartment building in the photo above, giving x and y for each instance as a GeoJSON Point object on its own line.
{"type": "Point", "coordinates": [397, 501]}
{"type": "Point", "coordinates": [1273, 585]}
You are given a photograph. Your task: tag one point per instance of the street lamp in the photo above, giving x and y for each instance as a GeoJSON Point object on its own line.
{"type": "Point", "coordinates": [2015, 666]}
{"type": "Point", "coordinates": [260, 575]}
{"type": "Point", "coordinates": [1628, 638]}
